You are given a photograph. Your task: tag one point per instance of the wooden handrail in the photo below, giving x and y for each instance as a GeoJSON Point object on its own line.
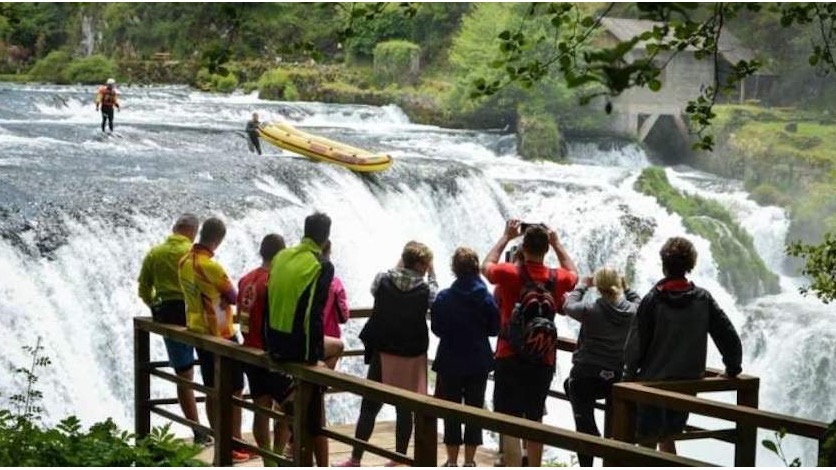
{"type": "Point", "coordinates": [427, 409]}
{"type": "Point", "coordinates": [677, 395]}
{"type": "Point", "coordinates": [643, 394]}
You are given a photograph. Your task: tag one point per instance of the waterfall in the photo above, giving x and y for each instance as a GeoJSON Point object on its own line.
{"type": "Point", "coordinates": [79, 212]}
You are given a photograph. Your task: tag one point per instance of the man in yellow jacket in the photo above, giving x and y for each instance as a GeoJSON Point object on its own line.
{"type": "Point", "coordinates": [209, 296]}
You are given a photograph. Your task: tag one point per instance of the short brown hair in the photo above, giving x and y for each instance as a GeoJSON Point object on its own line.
{"type": "Point", "coordinates": [465, 262]}
{"type": "Point", "coordinates": [414, 253]}
{"type": "Point", "coordinates": [678, 257]}
{"type": "Point", "coordinates": [212, 231]}
{"type": "Point", "coordinates": [536, 240]}
{"type": "Point", "coordinates": [270, 245]}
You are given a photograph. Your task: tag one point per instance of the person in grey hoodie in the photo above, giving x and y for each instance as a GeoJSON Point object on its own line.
{"type": "Point", "coordinates": [598, 360]}
{"type": "Point", "coordinates": [668, 339]}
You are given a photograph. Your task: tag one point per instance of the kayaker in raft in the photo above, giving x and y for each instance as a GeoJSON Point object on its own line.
{"type": "Point", "coordinates": [253, 142]}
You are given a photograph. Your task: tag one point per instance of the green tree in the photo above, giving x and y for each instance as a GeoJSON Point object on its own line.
{"type": "Point", "coordinates": [820, 267]}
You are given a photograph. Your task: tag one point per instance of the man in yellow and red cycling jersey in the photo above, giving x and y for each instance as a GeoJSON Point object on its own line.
{"type": "Point", "coordinates": [209, 296]}
{"type": "Point", "coordinates": [106, 99]}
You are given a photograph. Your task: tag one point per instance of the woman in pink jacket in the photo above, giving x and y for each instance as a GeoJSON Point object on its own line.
{"type": "Point", "coordinates": [336, 312]}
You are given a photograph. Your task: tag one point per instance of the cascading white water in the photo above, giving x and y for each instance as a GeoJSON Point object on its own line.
{"type": "Point", "coordinates": [83, 211]}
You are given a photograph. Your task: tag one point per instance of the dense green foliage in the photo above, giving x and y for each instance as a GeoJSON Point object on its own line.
{"type": "Point", "coordinates": [821, 266]}
{"type": "Point", "coordinates": [90, 70]}
{"type": "Point", "coordinates": [26, 442]}
{"type": "Point", "coordinates": [741, 269]}
{"type": "Point", "coordinates": [396, 62]}
{"type": "Point", "coordinates": [53, 67]}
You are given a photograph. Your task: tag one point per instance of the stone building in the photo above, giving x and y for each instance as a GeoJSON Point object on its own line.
{"type": "Point", "coordinates": [657, 118]}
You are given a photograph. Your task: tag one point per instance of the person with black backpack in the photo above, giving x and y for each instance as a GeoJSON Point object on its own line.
{"type": "Point", "coordinates": [529, 294]}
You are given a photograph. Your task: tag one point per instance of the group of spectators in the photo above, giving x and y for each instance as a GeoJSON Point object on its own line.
{"type": "Point", "coordinates": [292, 304]}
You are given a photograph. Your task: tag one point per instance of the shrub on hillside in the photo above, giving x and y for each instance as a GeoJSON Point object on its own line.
{"type": "Point", "coordinates": [272, 84]}
{"type": "Point", "coordinates": [225, 84]}
{"type": "Point", "coordinates": [91, 70]}
{"type": "Point", "coordinates": [397, 62]}
{"type": "Point", "coordinates": [51, 68]}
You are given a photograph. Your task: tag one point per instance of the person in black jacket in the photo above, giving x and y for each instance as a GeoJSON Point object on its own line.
{"type": "Point", "coordinates": [463, 317]}
{"type": "Point", "coordinates": [396, 339]}
{"type": "Point", "coordinates": [669, 336]}
{"type": "Point", "coordinates": [599, 359]}
{"type": "Point", "coordinates": [252, 134]}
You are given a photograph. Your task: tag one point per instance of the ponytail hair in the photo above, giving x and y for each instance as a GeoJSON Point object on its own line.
{"type": "Point", "coordinates": [608, 283]}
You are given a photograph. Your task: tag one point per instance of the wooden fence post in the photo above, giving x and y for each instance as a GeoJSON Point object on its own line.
{"type": "Point", "coordinates": [142, 382]}
{"type": "Point", "coordinates": [623, 422]}
{"type": "Point", "coordinates": [304, 431]}
{"type": "Point", "coordinates": [745, 448]}
{"type": "Point", "coordinates": [222, 406]}
{"type": "Point", "coordinates": [426, 440]}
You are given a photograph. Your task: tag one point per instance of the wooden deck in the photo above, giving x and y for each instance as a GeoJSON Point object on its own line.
{"type": "Point", "coordinates": [384, 436]}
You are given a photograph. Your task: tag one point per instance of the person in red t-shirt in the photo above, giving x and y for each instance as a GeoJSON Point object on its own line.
{"type": "Point", "coordinates": [520, 388]}
{"type": "Point", "coordinates": [266, 388]}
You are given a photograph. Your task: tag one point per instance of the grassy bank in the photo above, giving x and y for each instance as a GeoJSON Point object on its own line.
{"type": "Point", "coordinates": [741, 269]}
{"type": "Point", "coordinates": [785, 157]}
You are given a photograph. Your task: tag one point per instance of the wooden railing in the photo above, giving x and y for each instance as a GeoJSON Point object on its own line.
{"type": "Point", "coordinates": [674, 395]}
{"type": "Point", "coordinates": [427, 409]}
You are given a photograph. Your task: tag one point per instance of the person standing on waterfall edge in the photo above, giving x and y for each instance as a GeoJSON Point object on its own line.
{"type": "Point", "coordinates": [253, 142]}
{"type": "Point", "coordinates": [159, 289]}
{"type": "Point", "coordinates": [106, 99]}
{"type": "Point", "coordinates": [668, 340]}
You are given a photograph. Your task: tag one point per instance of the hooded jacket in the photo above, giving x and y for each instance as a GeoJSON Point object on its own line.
{"type": "Point", "coordinates": [604, 328]}
{"type": "Point", "coordinates": [398, 323]}
{"type": "Point", "coordinates": [669, 335]}
{"type": "Point", "coordinates": [463, 317]}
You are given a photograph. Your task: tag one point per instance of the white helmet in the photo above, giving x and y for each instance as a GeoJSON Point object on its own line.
{"type": "Point", "coordinates": [110, 81]}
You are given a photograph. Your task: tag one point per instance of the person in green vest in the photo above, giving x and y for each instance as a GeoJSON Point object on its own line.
{"type": "Point", "coordinates": [300, 277]}
{"type": "Point", "coordinates": [159, 289]}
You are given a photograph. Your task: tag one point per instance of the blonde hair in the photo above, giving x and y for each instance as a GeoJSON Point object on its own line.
{"type": "Point", "coordinates": [414, 253]}
{"type": "Point", "coordinates": [608, 283]}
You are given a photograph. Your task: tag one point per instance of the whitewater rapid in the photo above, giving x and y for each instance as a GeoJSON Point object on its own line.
{"type": "Point", "coordinates": [79, 212]}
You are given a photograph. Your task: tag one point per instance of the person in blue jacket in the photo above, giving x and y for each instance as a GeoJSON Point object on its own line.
{"type": "Point", "coordinates": [463, 317]}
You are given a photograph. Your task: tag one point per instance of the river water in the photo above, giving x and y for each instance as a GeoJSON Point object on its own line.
{"type": "Point", "coordinates": [78, 212]}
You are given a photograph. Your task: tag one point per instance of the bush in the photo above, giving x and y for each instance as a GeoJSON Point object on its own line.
{"type": "Point", "coordinates": [539, 136]}
{"type": "Point", "coordinates": [225, 84]}
{"type": "Point", "coordinates": [51, 68]}
{"type": "Point", "coordinates": [91, 70]}
{"type": "Point", "coordinates": [272, 84]}
{"type": "Point", "coordinates": [24, 441]}
{"type": "Point", "coordinates": [397, 62]}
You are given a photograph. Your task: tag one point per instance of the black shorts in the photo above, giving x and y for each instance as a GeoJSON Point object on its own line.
{"type": "Point", "coordinates": [263, 382]}
{"type": "Point", "coordinates": [520, 389]}
{"type": "Point", "coordinates": [207, 370]}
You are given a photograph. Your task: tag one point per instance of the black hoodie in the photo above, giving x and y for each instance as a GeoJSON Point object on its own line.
{"type": "Point", "coordinates": [604, 328]}
{"type": "Point", "coordinates": [669, 335]}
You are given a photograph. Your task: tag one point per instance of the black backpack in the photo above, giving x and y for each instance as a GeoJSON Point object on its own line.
{"type": "Point", "coordinates": [531, 331]}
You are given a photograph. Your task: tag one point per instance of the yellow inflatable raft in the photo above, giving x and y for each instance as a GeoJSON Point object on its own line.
{"type": "Point", "coordinates": [285, 136]}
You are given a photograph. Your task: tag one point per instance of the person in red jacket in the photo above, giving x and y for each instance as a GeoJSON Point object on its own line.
{"type": "Point", "coordinates": [520, 388]}
{"type": "Point", "coordinates": [106, 100]}
{"type": "Point", "coordinates": [268, 389]}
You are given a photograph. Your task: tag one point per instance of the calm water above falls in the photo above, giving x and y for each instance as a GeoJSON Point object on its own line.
{"type": "Point", "coordinates": [78, 212]}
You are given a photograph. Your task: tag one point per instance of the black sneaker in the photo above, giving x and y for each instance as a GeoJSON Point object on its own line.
{"type": "Point", "coordinates": [203, 440]}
